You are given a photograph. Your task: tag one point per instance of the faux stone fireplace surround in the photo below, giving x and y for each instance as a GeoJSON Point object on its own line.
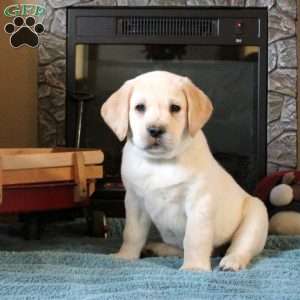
{"type": "Point", "coordinates": [282, 71]}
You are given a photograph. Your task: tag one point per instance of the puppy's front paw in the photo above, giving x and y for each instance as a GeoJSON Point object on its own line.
{"type": "Point", "coordinates": [196, 267]}
{"type": "Point", "coordinates": [125, 255]}
{"type": "Point", "coordinates": [233, 262]}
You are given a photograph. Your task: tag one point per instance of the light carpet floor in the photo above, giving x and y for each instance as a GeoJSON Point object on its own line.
{"type": "Point", "coordinates": [66, 264]}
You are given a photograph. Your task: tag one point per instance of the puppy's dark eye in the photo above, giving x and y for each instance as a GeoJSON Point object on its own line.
{"type": "Point", "coordinates": [174, 108]}
{"type": "Point", "coordinates": [140, 107]}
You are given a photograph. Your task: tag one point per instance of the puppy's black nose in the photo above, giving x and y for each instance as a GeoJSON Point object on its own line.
{"type": "Point", "coordinates": [156, 131]}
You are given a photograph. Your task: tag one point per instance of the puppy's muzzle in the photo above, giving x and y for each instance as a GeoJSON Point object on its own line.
{"type": "Point", "coordinates": [156, 131]}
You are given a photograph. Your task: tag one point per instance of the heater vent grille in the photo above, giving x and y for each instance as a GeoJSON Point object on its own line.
{"type": "Point", "coordinates": [167, 26]}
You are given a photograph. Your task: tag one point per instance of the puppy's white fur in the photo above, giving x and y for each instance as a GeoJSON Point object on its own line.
{"type": "Point", "coordinates": [175, 182]}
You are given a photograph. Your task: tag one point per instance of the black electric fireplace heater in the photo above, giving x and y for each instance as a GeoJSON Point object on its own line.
{"type": "Point", "coordinates": [223, 51]}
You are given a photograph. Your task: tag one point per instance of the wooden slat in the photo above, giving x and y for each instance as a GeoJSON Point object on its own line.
{"type": "Point", "coordinates": [48, 175]}
{"type": "Point", "coordinates": [91, 187]}
{"type": "Point", "coordinates": [46, 160]}
{"type": "Point", "coordinates": [15, 151]}
{"type": "Point", "coordinates": [81, 189]}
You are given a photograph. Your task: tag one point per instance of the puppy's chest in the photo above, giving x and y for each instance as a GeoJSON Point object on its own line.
{"type": "Point", "coordinates": [164, 190]}
{"type": "Point", "coordinates": [166, 208]}
{"type": "Point", "coordinates": [164, 194]}
{"type": "Point", "coordinates": [162, 201]}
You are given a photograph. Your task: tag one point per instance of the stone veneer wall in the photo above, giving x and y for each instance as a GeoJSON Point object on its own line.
{"type": "Point", "coordinates": [282, 67]}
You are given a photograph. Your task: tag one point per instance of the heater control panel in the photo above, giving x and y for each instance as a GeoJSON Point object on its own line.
{"type": "Point", "coordinates": [191, 26]}
{"type": "Point", "coordinates": [240, 31]}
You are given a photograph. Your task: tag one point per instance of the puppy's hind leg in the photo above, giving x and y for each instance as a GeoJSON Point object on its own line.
{"type": "Point", "coordinates": [250, 238]}
{"type": "Point", "coordinates": [161, 249]}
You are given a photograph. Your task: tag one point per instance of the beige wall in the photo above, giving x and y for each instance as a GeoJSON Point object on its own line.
{"type": "Point", "coordinates": [18, 90]}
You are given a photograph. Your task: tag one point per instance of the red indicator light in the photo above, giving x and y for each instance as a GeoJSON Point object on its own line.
{"type": "Point", "coordinates": [239, 27]}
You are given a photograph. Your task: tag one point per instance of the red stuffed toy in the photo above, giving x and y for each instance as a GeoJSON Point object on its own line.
{"type": "Point", "coordinates": [281, 194]}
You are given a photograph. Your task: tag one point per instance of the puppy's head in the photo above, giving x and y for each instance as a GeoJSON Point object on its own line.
{"type": "Point", "coordinates": [157, 110]}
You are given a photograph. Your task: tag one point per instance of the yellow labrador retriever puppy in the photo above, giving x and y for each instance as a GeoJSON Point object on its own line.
{"type": "Point", "coordinates": [172, 179]}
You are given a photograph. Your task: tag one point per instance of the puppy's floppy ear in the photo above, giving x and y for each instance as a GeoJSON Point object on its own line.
{"type": "Point", "coordinates": [199, 106]}
{"type": "Point", "coordinates": [115, 110]}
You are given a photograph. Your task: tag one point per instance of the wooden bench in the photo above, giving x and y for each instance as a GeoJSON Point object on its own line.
{"type": "Point", "coordinates": [44, 179]}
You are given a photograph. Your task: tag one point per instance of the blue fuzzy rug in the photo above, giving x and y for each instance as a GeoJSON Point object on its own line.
{"type": "Point", "coordinates": [67, 265]}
